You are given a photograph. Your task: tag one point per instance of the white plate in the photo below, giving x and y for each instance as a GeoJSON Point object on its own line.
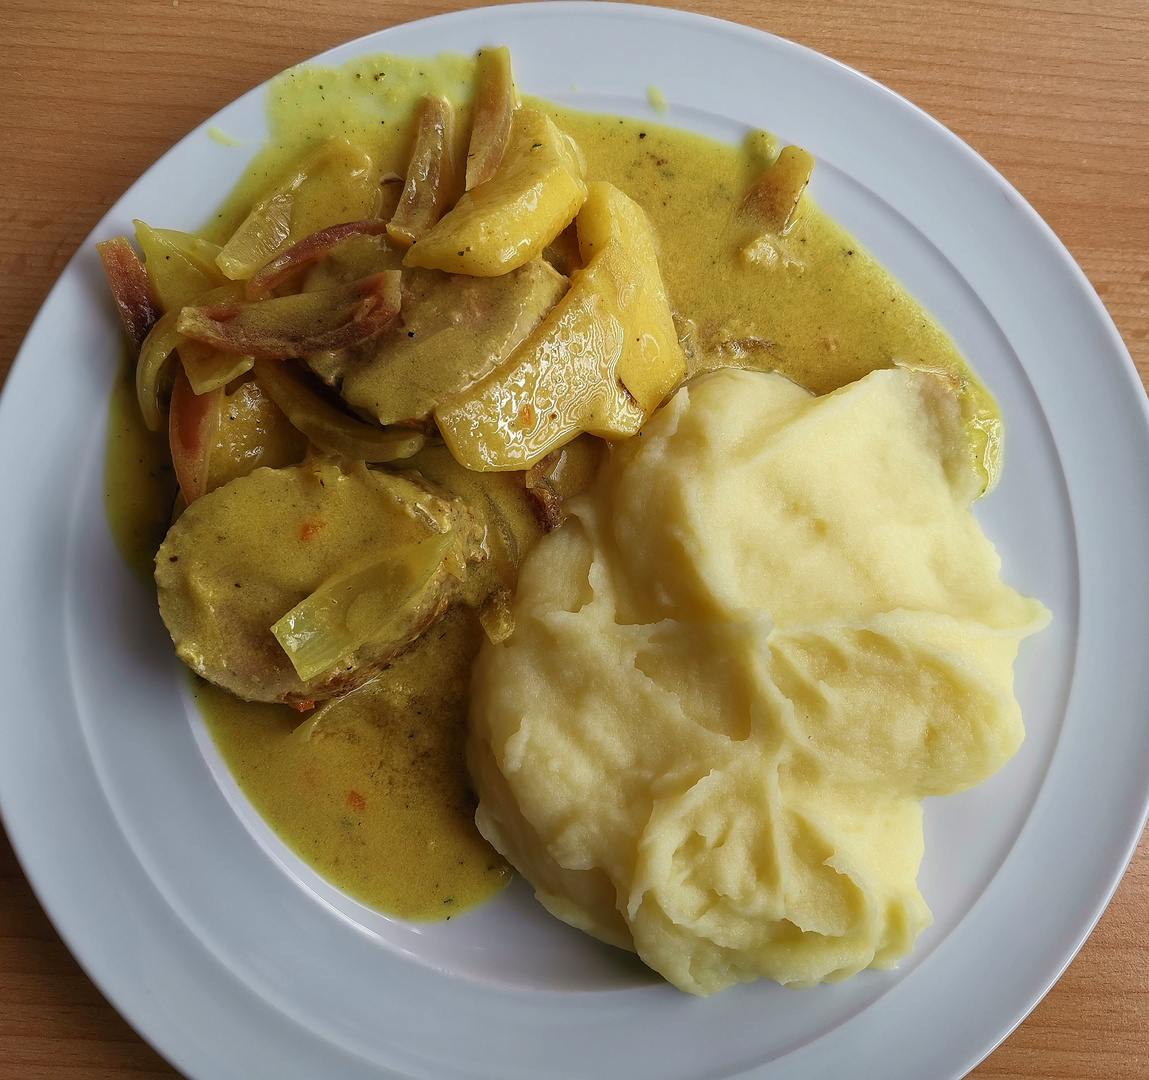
{"type": "Point", "coordinates": [235, 961]}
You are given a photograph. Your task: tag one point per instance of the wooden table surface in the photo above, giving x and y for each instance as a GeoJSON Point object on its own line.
{"type": "Point", "coordinates": [1054, 93]}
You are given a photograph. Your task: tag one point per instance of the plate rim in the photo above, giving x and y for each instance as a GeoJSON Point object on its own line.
{"type": "Point", "coordinates": [23, 361]}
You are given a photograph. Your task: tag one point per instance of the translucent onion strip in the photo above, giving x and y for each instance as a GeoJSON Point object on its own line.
{"type": "Point", "coordinates": [193, 421]}
{"type": "Point", "coordinates": [430, 186]}
{"type": "Point", "coordinates": [370, 603]}
{"type": "Point", "coordinates": [293, 326]}
{"type": "Point", "coordinates": [180, 266]}
{"type": "Point", "coordinates": [328, 428]}
{"type": "Point", "coordinates": [158, 346]}
{"type": "Point", "coordinates": [309, 250]}
{"type": "Point", "coordinates": [495, 101]}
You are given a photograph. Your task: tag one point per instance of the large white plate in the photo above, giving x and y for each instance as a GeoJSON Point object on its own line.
{"type": "Point", "coordinates": [235, 961]}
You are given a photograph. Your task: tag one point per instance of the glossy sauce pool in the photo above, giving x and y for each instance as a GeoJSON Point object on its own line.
{"type": "Point", "coordinates": [372, 790]}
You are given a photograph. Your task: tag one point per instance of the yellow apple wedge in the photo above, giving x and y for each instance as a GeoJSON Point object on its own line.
{"type": "Point", "coordinates": [507, 221]}
{"type": "Point", "coordinates": [600, 362]}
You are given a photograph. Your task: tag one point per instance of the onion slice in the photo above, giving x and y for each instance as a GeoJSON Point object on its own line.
{"type": "Point", "coordinates": [774, 197]}
{"type": "Point", "coordinates": [430, 185]}
{"type": "Point", "coordinates": [374, 601]}
{"type": "Point", "coordinates": [331, 430]}
{"type": "Point", "coordinates": [495, 102]}
{"type": "Point", "coordinates": [294, 326]}
{"type": "Point", "coordinates": [309, 250]}
{"type": "Point", "coordinates": [158, 346]}
{"type": "Point", "coordinates": [131, 288]}
{"type": "Point", "coordinates": [193, 421]}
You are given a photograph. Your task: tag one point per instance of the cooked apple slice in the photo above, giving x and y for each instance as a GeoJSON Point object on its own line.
{"type": "Point", "coordinates": [504, 223]}
{"type": "Point", "coordinates": [495, 102]}
{"type": "Point", "coordinates": [454, 330]}
{"type": "Point", "coordinates": [567, 377]}
{"type": "Point", "coordinates": [560, 382]}
{"type": "Point", "coordinates": [774, 196]}
{"type": "Point", "coordinates": [430, 186]}
{"type": "Point", "coordinates": [615, 240]}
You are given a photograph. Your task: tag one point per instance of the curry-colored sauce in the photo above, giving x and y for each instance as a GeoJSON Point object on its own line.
{"type": "Point", "coordinates": [139, 481]}
{"type": "Point", "coordinates": [372, 790]}
{"type": "Point", "coordinates": [370, 101]}
{"type": "Point", "coordinates": [811, 304]}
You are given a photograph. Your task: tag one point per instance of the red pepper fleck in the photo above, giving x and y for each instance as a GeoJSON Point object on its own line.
{"type": "Point", "coordinates": [355, 800]}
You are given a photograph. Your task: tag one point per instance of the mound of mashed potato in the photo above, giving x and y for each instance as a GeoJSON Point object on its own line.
{"type": "Point", "coordinates": [770, 629]}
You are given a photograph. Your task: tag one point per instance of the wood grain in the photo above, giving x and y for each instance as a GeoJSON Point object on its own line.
{"type": "Point", "coordinates": [1054, 93]}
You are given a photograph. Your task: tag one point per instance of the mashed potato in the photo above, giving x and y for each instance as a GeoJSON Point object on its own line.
{"type": "Point", "coordinates": [768, 632]}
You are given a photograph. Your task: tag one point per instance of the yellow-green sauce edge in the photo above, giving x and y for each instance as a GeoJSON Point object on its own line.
{"type": "Point", "coordinates": [368, 791]}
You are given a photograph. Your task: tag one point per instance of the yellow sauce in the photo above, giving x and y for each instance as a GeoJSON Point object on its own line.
{"type": "Point", "coordinates": [372, 790]}
{"type": "Point", "coordinates": [370, 101]}
{"type": "Point", "coordinates": [139, 481]}
{"type": "Point", "coordinates": [811, 304]}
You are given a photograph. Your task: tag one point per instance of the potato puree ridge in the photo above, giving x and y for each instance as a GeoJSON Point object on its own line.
{"type": "Point", "coordinates": [766, 633]}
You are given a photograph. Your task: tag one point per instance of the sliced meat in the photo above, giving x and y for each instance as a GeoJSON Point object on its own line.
{"type": "Point", "coordinates": [243, 556]}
